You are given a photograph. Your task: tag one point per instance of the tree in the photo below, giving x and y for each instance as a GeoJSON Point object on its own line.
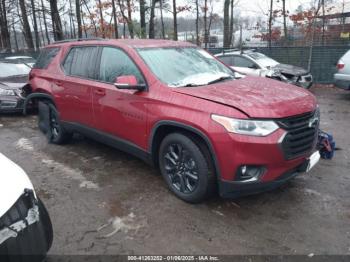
{"type": "Point", "coordinates": [5, 34]}
{"type": "Point", "coordinates": [226, 24]}
{"type": "Point", "coordinates": [143, 18]}
{"type": "Point", "coordinates": [77, 12]}
{"type": "Point", "coordinates": [35, 25]}
{"type": "Point", "coordinates": [26, 28]}
{"type": "Point", "coordinates": [284, 14]}
{"type": "Point", "coordinates": [161, 18]}
{"type": "Point", "coordinates": [102, 25]}
{"type": "Point", "coordinates": [151, 33]}
{"type": "Point", "coordinates": [56, 21]}
{"type": "Point", "coordinates": [127, 18]}
{"type": "Point", "coordinates": [270, 23]}
{"type": "Point", "coordinates": [45, 23]}
{"type": "Point", "coordinates": [197, 22]}
{"type": "Point", "coordinates": [175, 20]}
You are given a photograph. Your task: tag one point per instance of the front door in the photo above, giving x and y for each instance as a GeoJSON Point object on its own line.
{"type": "Point", "coordinates": [121, 113]}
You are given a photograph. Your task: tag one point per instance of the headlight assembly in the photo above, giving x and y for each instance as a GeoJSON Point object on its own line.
{"type": "Point", "coordinates": [246, 127]}
{"type": "Point", "coordinates": [7, 92]}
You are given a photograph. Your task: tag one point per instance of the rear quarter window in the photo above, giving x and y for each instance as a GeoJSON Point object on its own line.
{"type": "Point", "coordinates": [45, 57]}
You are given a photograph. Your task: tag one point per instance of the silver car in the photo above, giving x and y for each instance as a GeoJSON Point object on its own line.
{"type": "Point", "coordinates": [342, 77]}
{"type": "Point", "coordinates": [250, 62]}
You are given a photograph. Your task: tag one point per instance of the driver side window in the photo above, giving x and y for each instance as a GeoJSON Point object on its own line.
{"type": "Point", "coordinates": [115, 63]}
{"type": "Point", "coordinates": [243, 62]}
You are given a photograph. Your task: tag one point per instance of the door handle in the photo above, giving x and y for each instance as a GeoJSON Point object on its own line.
{"type": "Point", "coordinates": [100, 92]}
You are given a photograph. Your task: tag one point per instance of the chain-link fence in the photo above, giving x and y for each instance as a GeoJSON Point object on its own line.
{"type": "Point", "coordinates": [323, 59]}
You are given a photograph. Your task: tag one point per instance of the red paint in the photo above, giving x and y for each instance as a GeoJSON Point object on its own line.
{"type": "Point", "coordinates": [132, 115]}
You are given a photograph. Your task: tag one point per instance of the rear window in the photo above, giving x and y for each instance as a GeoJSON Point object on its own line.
{"type": "Point", "coordinates": [45, 57]}
{"type": "Point", "coordinates": [81, 62]}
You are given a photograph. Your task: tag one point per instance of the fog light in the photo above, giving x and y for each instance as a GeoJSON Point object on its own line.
{"type": "Point", "coordinates": [247, 173]}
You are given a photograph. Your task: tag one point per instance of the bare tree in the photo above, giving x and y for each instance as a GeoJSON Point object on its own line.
{"type": "Point", "coordinates": [45, 23]}
{"type": "Point", "coordinates": [35, 25]}
{"type": "Point", "coordinates": [78, 15]}
{"type": "Point", "coordinates": [151, 33]}
{"type": "Point", "coordinates": [143, 18]}
{"type": "Point", "coordinates": [26, 28]}
{"type": "Point", "coordinates": [197, 22]}
{"type": "Point", "coordinates": [161, 18]}
{"type": "Point", "coordinates": [101, 19]}
{"type": "Point", "coordinates": [56, 21]}
{"type": "Point", "coordinates": [226, 24]}
{"type": "Point", "coordinates": [284, 14]}
{"type": "Point", "coordinates": [5, 34]}
{"type": "Point", "coordinates": [270, 23]}
{"type": "Point", "coordinates": [206, 33]}
{"type": "Point", "coordinates": [114, 11]}
{"type": "Point", "coordinates": [175, 20]}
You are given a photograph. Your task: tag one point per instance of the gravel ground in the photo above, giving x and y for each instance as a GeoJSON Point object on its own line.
{"type": "Point", "coordinates": [103, 201]}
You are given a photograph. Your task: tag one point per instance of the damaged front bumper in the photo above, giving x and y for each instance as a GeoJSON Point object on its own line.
{"type": "Point", "coordinates": [13, 229]}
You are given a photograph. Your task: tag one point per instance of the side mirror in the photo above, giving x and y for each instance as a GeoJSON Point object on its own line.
{"type": "Point", "coordinates": [128, 82]}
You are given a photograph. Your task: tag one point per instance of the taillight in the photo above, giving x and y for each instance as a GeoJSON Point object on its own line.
{"type": "Point", "coordinates": [340, 66]}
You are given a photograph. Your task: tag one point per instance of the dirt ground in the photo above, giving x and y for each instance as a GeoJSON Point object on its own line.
{"type": "Point", "coordinates": [103, 201]}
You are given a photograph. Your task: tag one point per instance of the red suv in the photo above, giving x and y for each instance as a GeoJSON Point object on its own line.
{"type": "Point", "coordinates": [175, 106]}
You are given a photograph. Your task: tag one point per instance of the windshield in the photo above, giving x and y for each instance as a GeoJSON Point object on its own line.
{"type": "Point", "coordinates": [263, 60]}
{"type": "Point", "coordinates": [179, 67]}
{"type": "Point", "coordinates": [8, 70]}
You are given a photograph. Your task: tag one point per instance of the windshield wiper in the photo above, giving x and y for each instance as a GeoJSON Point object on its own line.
{"type": "Point", "coordinates": [220, 79]}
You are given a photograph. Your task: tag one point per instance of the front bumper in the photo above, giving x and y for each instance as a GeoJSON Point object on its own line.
{"type": "Point", "coordinates": [238, 189]}
{"type": "Point", "coordinates": [11, 104]}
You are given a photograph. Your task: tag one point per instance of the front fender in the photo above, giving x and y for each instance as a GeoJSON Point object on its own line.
{"type": "Point", "coordinates": [13, 182]}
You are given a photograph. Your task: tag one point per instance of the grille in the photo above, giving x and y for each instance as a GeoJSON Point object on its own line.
{"type": "Point", "coordinates": [301, 134]}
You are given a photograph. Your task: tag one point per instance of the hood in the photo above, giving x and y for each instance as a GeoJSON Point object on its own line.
{"type": "Point", "coordinates": [291, 70]}
{"type": "Point", "coordinates": [257, 97]}
{"type": "Point", "coordinates": [13, 181]}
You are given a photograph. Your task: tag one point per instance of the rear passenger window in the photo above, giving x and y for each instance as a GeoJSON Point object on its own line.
{"type": "Point", "coordinates": [243, 62]}
{"type": "Point", "coordinates": [81, 61]}
{"type": "Point", "coordinates": [114, 63]}
{"type": "Point", "coordinates": [45, 57]}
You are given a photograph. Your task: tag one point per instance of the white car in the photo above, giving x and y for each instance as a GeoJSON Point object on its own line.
{"type": "Point", "coordinates": [342, 77]}
{"type": "Point", "coordinates": [254, 63]}
{"type": "Point", "coordinates": [25, 225]}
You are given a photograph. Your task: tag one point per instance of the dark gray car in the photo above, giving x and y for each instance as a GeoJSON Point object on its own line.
{"type": "Point", "coordinates": [13, 80]}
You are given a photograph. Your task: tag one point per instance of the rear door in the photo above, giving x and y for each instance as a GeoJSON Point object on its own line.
{"type": "Point", "coordinates": [76, 87]}
{"type": "Point", "coordinates": [121, 113]}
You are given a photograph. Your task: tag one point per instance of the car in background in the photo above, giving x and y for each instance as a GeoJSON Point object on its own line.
{"type": "Point", "coordinates": [250, 62]}
{"type": "Point", "coordinates": [25, 227]}
{"type": "Point", "coordinates": [21, 60]}
{"type": "Point", "coordinates": [342, 77]}
{"type": "Point", "coordinates": [13, 86]}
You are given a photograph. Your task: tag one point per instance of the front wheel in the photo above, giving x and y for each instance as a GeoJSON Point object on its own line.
{"type": "Point", "coordinates": [185, 168]}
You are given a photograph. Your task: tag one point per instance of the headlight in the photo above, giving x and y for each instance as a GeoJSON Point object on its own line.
{"type": "Point", "coordinates": [7, 92]}
{"type": "Point", "coordinates": [246, 127]}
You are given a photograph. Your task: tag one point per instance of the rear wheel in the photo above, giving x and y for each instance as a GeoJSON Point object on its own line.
{"type": "Point", "coordinates": [50, 124]}
{"type": "Point", "coordinates": [185, 168]}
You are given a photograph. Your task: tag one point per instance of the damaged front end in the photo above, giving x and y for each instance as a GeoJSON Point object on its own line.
{"type": "Point", "coordinates": [29, 203]}
{"type": "Point", "coordinates": [25, 227]}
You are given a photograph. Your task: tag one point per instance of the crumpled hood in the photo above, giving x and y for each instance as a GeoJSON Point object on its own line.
{"type": "Point", "coordinates": [16, 83]}
{"type": "Point", "coordinates": [13, 181]}
{"type": "Point", "coordinates": [256, 96]}
{"type": "Point", "coordinates": [291, 70]}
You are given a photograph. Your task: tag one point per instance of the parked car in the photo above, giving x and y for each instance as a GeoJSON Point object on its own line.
{"type": "Point", "coordinates": [342, 77]}
{"type": "Point", "coordinates": [13, 86]}
{"type": "Point", "coordinates": [254, 63]}
{"type": "Point", "coordinates": [25, 226]}
{"type": "Point", "coordinates": [177, 107]}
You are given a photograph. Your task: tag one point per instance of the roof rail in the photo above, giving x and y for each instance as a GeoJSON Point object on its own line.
{"type": "Point", "coordinates": [78, 40]}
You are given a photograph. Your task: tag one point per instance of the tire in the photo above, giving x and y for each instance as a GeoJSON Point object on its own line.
{"type": "Point", "coordinates": [31, 244]}
{"type": "Point", "coordinates": [50, 124]}
{"type": "Point", "coordinates": [186, 168]}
